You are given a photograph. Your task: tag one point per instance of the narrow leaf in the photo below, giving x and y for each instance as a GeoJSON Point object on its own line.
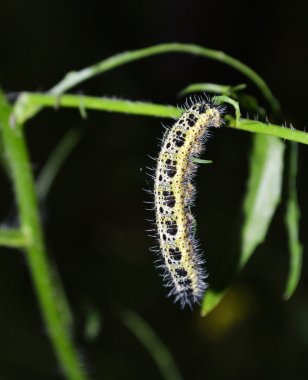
{"type": "Point", "coordinates": [226, 99]}
{"type": "Point", "coordinates": [93, 323]}
{"type": "Point", "coordinates": [263, 192]}
{"type": "Point", "coordinates": [261, 200]}
{"type": "Point", "coordinates": [211, 300]}
{"type": "Point", "coordinates": [201, 161]}
{"type": "Point", "coordinates": [55, 161]}
{"type": "Point", "coordinates": [292, 218]}
{"type": "Point", "coordinates": [213, 88]}
{"type": "Point", "coordinates": [156, 348]}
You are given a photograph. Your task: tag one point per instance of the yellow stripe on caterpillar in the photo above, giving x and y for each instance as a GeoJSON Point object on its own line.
{"type": "Point", "coordinates": [174, 194]}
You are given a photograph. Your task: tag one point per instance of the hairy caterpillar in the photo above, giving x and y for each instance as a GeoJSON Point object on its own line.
{"type": "Point", "coordinates": [174, 194]}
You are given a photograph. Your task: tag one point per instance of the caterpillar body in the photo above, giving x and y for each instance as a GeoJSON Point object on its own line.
{"type": "Point", "coordinates": [174, 194]}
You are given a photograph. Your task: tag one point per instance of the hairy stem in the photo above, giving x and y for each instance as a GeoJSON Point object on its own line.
{"type": "Point", "coordinates": [29, 100]}
{"type": "Point", "coordinates": [272, 130]}
{"type": "Point", "coordinates": [49, 296]}
{"type": "Point", "coordinates": [74, 78]}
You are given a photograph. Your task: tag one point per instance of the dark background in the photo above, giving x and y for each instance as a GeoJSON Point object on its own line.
{"type": "Point", "coordinates": [94, 216]}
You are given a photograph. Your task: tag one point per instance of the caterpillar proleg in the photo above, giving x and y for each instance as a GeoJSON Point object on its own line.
{"type": "Point", "coordinates": [174, 195]}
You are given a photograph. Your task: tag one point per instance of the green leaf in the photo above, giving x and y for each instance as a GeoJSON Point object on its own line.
{"type": "Point", "coordinates": [263, 192]}
{"type": "Point", "coordinates": [156, 348]}
{"type": "Point", "coordinates": [292, 218]}
{"type": "Point", "coordinates": [213, 88]}
{"type": "Point", "coordinates": [211, 299]}
{"type": "Point", "coordinates": [201, 161]}
{"type": "Point", "coordinates": [93, 323]}
{"type": "Point", "coordinates": [261, 200]}
{"type": "Point", "coordinates": [55, 161]}
{"type": "Point", "coordinates": [225, 99]}
{"type": "Point", "coordinates": [250, 104]}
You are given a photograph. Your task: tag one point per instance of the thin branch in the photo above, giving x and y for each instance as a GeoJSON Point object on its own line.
{"type": "Point", "coordinates": [272, 130]}
{"type": "Point", "coordinates": [48, 292]}
{"type": "Point", "coordinates": [74, 78]}
{"type": "Point", "coordinates": [30, 100]}
{"type": "Point", "coordinates": [10, 237]}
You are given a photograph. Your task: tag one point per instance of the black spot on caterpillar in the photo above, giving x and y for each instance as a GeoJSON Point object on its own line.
{"type": "Point", "coordinates": [174, 194]}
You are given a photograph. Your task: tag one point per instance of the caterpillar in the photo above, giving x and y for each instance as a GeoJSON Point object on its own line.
{"type": "Point", "coordinates": [174, 194]}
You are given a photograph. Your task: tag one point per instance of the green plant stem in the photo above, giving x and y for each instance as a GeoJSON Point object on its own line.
{"type": "Point", "coordinates": [10, 237]}
{"type": "Point", "coordinates": [40, 269]}
{"type": "Point", "coordinates": [272, 130]}
{"type": "Point", "coordinates": [29, 100]}
{"type": "Point", "coordinates": [74, 78]}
